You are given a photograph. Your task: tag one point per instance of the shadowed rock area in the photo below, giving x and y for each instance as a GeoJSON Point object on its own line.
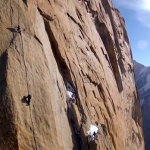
{"type": "Point", "coordinates": [52, 49]}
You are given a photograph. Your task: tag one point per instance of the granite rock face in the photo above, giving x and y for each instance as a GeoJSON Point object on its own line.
{"type": "Point", "coordinates": [83, 44]}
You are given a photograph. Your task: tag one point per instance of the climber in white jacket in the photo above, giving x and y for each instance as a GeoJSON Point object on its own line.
{"type": "Point", "coordinates": [93, 132]}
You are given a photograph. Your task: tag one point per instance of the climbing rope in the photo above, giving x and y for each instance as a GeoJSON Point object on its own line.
{"type": "Point", "coordinates": [24, 63]}
{"type": "Point", "coordinates": [33, 129]}
{"type": "Point", "coordinates": [22, 47]}
{"type": "Point", "coordinates": [25, 66]}
{"type": "Point", "coordinates": [18, 12]}
{"type": "Point", "coordinates": [28, 87]}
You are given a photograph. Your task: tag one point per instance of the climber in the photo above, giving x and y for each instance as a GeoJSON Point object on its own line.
{"type": "Point", "coordinates": [93, 132]}
{"type": "Point", "coordinates": [17, 29]}
{"type": "Point", "coordinates": [28, 99]}
{"type": "Point", "coordinates": [94, 136]}
{"type": "Point", "coordinates": [70, 98]}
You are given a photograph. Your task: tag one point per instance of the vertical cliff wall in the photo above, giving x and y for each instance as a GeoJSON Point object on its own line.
{"type": "Point", "coordinates": [80, 43]}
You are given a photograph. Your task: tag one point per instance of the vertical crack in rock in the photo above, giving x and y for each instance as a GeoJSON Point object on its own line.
{"type": "Point", "coordinates": [78, 24]}
{"type": "Point", "coordinates": [108, 10]}
{"type": "Point", "coordinates": [25, 2]}
{"type": "Point", "coordinates": [94, 52]}
{"type": "Point", "coordinates": [46, 16]}
{"type": "Point", "coordinates": [64, 71]}
{"type": "Point", "coordinates": [105, 36]}
{"type": "Point", "coordinates": [38, 39]}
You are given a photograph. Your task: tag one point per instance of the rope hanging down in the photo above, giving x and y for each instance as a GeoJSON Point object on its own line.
{"type": "Point", "coordinates": [24, 63]}
{"type": "Point", "coordinates": [22, 48]}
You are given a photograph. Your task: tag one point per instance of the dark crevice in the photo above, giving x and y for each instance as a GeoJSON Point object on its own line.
{"type": "Point", "coordinates": [94, 94]}
{"type": "Point", "coordinates": [107, 8]}
{"type": "Point", "coordinates": [65, 37]}
{"type": "Point", "coordinates": [79, 25]}
{"type": "Point", "coordinates": [121, 64]}
{"type": "Point", "coordinates": [49, 2]}
{"type": "Point", "coordinates": [38, 39]}
{"type": "Point", "coordinates": [59, 88]}
{"type": "Point", "coordinates": [102, 51]}
{"type": "Point", "coordinates": [106, 56]}
{"type": "Point", "coordinates": [108, 43]}
{"type": "Point", "coordinates": [101, 91]}
{"type": "Point", "coordinates": [79, 15]}
{"type": "Point", "coordinates": [91, 81]}
{"type": "Point", "coordinates": [94, 52]}
{"type": "Point", "coordinates": [46, 16]}
{"type": "Point", "coordinates": [81, 139]}
{"type": "Point", "coordinates": [74, 21]}
{"type": "Point", "coordinates": [72, 117]}
{"type": "Point", "coordinates": [80, 37]}
{"type": "Point", "coordinates": [65, 72]}
{"type": "Point", "coordinates": [25, 2]}
{"type": "Point", "coordinates": [82, 33]}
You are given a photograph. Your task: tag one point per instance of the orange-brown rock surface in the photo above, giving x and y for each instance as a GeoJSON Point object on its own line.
{"type": "Point", "coordinates": [80, 42]}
